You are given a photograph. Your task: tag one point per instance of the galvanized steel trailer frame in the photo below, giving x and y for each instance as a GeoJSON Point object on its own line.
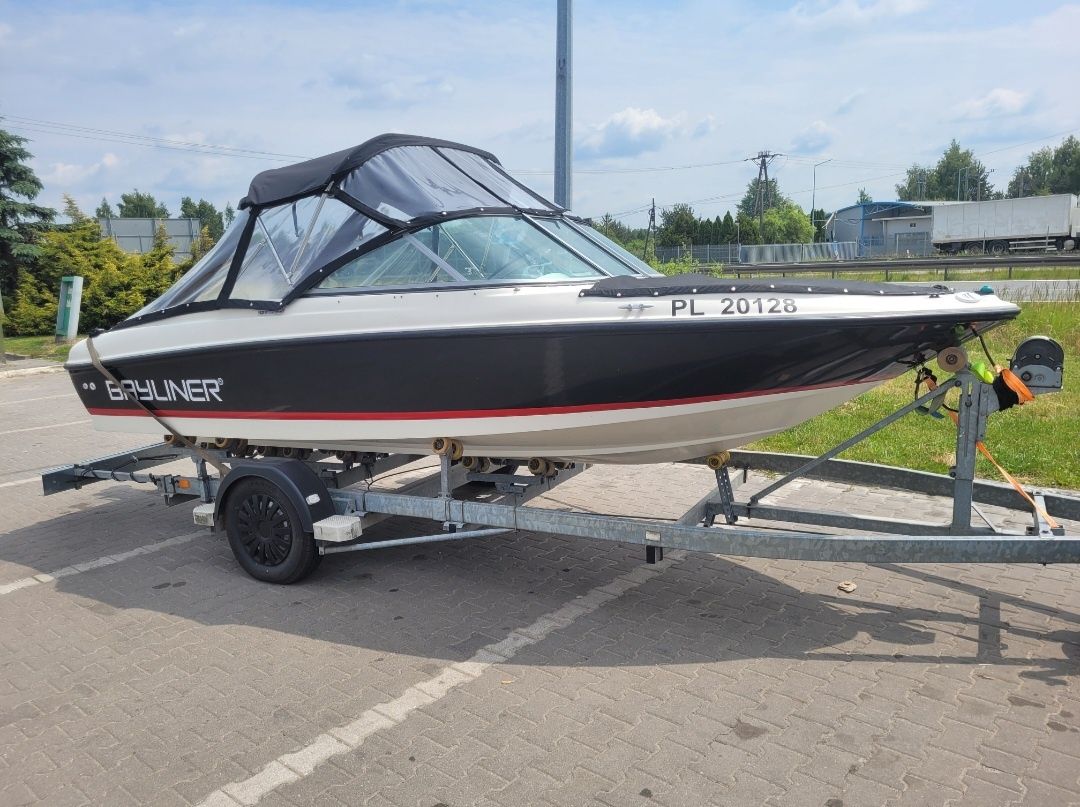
{"type": "Point", "coordinates": [437, 498]}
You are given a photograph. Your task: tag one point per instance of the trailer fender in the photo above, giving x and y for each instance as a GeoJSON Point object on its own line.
{"type": "Point", "coordinates": [295, 479]}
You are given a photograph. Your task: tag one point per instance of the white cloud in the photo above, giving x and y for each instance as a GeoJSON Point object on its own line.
{"type": "Point", "coordinates": [633, 131]}
{"type": "Point", "coordinates": [852, 13]}
{"type": "Point", "coordinates": [814, 139]}
{"type": "Point", "coordinates": [71, 175]}
{"type": "Point", "coordinates": [5, 31]}
{"type": "Point", "coordinates": [998, 103]}
{"type": "Point", "coordinates": [486, 78]}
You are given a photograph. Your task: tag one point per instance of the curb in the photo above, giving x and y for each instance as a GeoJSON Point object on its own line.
{"type": "Point", "coordinates": [46, 370]}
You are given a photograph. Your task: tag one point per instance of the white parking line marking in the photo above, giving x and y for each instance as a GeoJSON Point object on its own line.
{"type": "Point", "coordinates": [20, 482]}
{"type": "Point", "coordinates": [296, 765]}
{"type": "Point", "coordinates": [97, 563]}
{"type": "Point", "coordinates": [35, 400]}
{"type": "Point", "coordinates": [50, 426]}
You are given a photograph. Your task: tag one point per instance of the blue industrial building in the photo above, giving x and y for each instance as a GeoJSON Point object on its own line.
{"type": "Point", "coordinates": [883, 228]}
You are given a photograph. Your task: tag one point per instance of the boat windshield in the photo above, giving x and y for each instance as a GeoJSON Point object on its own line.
{"type": "Point", "coordinates": [481, 249]}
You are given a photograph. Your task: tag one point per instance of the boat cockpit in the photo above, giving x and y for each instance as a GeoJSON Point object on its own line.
{"type": "Point", "coordinates": [396, 213]}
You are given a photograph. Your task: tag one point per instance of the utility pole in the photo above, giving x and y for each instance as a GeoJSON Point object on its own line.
{"type": "Point", "coordinates": [763, 159]}
{"type": "Point", "coordinates": [652, 228]}
{"type": "Point", "coordinates": [963, 172]}
{"type": "Point", "coordinates": [813, 198]}
{"type": "Point", "coordinates": [564, 155]}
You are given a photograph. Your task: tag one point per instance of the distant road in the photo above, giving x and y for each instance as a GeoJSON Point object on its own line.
{"type": "Point", "coordinates": [1021, 290]}
{"type": "Point", "coordinates": [880, 265]}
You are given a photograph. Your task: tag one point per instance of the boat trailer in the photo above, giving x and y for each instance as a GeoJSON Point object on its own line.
{"type": "Point", "coordinates": [327, 502]}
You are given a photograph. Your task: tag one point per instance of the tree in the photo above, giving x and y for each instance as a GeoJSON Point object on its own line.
{"type": "Point", "coordinates": [105, 210]}
{"type": "Point", "coordinates": [787, 224]}
{"type": "Point", "coordinates": [864, 197]}
{"type": "Point", "coordinates": [957, 175]}
{"type": "Point", "coordinates": [727, 229]}
{"type": "Point", "coordinates": [1049, 170]}
{"type": "Point", "coordinates": [230, 214]}
{"type": "Point", "coordinates": [206, 213]}
{"type": "Point", "coordinates": [116, 283]}
{"type": "Point", "coordinates": [202, 244]}
{"type": "Point", "coordinates": [818, 218]}
{"type": "Point", "coordinates": [747, 229]}
{"type": "Point", "coordinates": [678, 226]}
{"type": "Point", "coordinates": [773, 198]}
{"type": "Point", "coordinates": [138, 205]}
{"type": "Point", "coordinates": [21, 221]}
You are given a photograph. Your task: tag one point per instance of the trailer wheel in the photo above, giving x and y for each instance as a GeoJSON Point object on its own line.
{"type": "Point", "coordinates": [997, 248]}
{"type": "Point", "coordinates": [266, 534]}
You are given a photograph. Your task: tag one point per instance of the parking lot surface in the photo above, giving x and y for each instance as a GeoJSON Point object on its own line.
{"type": "Point", "coordinates": [139, 665]}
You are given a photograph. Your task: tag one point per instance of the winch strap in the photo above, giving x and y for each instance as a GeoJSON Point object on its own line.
{"type": "Point", "coordinates": [95, 359]}
{"type": "Point", "coordinates": [1001, 470]}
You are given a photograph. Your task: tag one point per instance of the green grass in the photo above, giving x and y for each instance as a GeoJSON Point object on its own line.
{"type": "Point", "coordinates": [1038, 443]}
{"type": "Point", "coordinates": [36, 347]}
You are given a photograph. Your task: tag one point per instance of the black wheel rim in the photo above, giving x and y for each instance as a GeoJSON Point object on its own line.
{"type": "Point", "coordinates": [265, 529]}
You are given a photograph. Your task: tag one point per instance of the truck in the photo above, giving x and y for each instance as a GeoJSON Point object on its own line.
{"type": "Point", "coordinates": [1027, 224]}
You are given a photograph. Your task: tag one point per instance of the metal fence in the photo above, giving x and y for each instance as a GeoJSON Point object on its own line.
{"type": "Point", "coordinates": [702, 253]}
{"type": "Point", "coordinates": [137, 235]}
{"type": "Point", "coordinates": [762, 253]}
{"type": "Point", "coordinates": [898, 245]}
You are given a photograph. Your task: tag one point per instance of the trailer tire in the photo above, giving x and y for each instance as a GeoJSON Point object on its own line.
{"type": "Point", "coordinates": [997, 248]}
{"type": "Point", "coordinates": [266, 533]}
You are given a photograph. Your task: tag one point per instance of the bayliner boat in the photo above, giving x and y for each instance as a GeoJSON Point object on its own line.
{"type": "Point", "coordinates": [409, 290]}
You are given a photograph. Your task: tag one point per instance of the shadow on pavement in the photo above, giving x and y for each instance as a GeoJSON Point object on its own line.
{"type": "Point", "coordinates": [444, 601]}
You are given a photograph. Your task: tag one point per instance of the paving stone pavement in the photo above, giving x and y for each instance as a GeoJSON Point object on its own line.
{"type": "Point", "coordinates": [167, 676]}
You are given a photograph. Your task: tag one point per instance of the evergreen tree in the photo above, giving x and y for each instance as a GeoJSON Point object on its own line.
{"type": "Point", "coordinates": [864, 197]}
{"type": "Point", "coordinates": [21, 221]}
{"type": "Point", "coordinates": [105, 210]}
{"type": "Point", "coordinates": [726, 234]}
{"type": "Point", "coordinates": [773, 198]}
{"type": "Point", "coordinates": [229, 214]}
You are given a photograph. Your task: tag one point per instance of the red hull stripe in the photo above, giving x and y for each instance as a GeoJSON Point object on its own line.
{"type": "Point", "coordinates": [462, 413]}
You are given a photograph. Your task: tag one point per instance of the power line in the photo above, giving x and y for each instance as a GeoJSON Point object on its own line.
{"type": "Point", "coordinates": [109, 135]}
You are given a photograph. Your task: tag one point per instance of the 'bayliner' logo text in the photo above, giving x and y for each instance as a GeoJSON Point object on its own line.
{"type": "Point", "coordinates": [189, 389]}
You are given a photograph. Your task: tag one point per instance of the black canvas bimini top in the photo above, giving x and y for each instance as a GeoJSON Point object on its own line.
{"type": "Point", "coordinates": [311, 176]}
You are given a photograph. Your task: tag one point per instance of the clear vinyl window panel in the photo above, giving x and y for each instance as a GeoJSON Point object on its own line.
{"type": "Point", "coordinates": [493, 178]}
{"type": "Point", "coordinates": [203, 281]}
{"type": "Point", "coordinates": [483, 249]}
{"type": "Point", "coordinates": [409, 182]}
{"type": "Point", "coordinates": [398, 263]}
{"type": "Point", "coordinates": [565, 231]}
{"type": "Point", "coordinates": [292, 241]}
{"type": "Point", "coordinates": [617, 249]}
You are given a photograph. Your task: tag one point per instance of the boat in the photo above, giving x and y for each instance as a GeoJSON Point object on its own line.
{"type": "Point", "coordinates": [408, 292]}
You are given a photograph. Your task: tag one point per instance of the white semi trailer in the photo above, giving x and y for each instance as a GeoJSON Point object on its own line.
{"type": "Point", "coordinates": [1032, 223]}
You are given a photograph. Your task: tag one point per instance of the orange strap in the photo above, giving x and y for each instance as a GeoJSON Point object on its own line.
{"type": "Point", "coordinates": [986, 452]}
{"type": "Point", "coordinates": [1013, 382]}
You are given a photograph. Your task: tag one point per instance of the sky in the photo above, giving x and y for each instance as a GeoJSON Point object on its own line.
{"type": "Point", "coordinates": [194, 98]}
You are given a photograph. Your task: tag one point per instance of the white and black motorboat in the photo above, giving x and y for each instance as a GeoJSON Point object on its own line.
{"type": "Point", "coordinates": [408, 289]}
